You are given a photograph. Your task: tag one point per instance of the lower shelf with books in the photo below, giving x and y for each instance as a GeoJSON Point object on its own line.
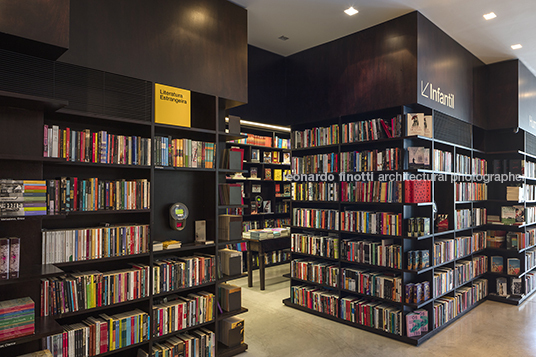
{"type": "Point", "coordinates": [44, 326]}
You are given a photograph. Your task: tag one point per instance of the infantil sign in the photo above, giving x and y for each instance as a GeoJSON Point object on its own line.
{"type": "Point", "coordinates": [434, 93]}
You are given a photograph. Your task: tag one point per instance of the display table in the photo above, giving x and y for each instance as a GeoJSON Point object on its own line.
{"type": "Point", "coordinates": [262, 247]}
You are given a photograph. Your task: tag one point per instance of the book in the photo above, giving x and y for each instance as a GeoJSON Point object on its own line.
{"type": "Point", "coordinates": [275, 157]}
{"type": "Point", "coordinates": [278, 175]}
{"type": "Point", "coordinates": [418, 157]}
{"type": "Point", "coordinates": [286, 158]}
{"type": "Point", "coordinates": [267, 157]}
{"type": "Point", "coordinates": [502, 288]}
{"type": "Point", "coordinates": [413, 324]}
{"type": "Point", "coordinates": [4, 258]}
{"type": "Point", "coordinates": [519, 214]}
{"type": "Point", "coordinates": [255, 155]}
{"type": "Point", "coordinates": [497, 264]}
{"type": "Point", "coordinates": [516, 286]}
{"type": "Point", "coordinates": [253, 173]}
{"type": "Point", "coordinates": [268, 174]}
{"type": "Point", "coordinates": [415, 124]}
{"type": "Point", "coordinates": [267, 206]}
{"type": "Point", "coordinates": [14, 257]}
{"type": "Point", "coordinates": [513, 266]}
{"type": "Point", "coordinates": [508, 215]}
{"type": "Point", "coordinates": [428, 123]}
{"type": "Point", "coordinates": [256, 188]}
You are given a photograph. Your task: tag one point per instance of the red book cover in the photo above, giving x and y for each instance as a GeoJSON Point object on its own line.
{"type": "Point", "coordinates": [417, 191]}
{"type": "Point", "coordinates": [68, 144]}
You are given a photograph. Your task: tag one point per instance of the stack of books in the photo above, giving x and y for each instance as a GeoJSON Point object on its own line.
{"type": "Point", "coordinates": [22, 198]}
{"type": "Point", "coordinates": [17, 318]}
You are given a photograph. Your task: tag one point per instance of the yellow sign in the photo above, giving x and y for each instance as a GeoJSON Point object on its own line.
{"type": "Point", "coordinates": [172, 105]}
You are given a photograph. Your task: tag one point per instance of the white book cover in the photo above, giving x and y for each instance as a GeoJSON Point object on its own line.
{"type": "Point", "coordinates": [415, 124]}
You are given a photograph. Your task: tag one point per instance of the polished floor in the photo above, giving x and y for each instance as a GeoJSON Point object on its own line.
{"type": "Point", "coordinates": [275, 330]}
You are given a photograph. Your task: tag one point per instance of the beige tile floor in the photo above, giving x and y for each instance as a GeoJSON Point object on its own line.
{"type": "Point", "coordinates": [275, 330]}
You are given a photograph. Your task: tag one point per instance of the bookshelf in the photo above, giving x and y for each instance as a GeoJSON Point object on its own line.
{"type": "Point", "coordinates": [22, 157]}
{"type": "Point", "coordinates": [386, 159]}
{"type": "Point", "coordinates": [271, 155]}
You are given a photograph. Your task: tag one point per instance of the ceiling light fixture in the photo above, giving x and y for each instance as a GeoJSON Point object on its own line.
{"type": "Point", "coordinates": [351, 11]}
{"type": "Point", "coordinates": [283, 38]}
{"type": "Point", "coordinates": [490, 16]}
{"type": "Point", "coordinates": [516, 47]}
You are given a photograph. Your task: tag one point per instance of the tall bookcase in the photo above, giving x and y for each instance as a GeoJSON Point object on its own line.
{"type": "Point", "coordinates": [124, 108]}
{"type": "Point", "coordinates": [450, 135]}
{"type": "Point", "coordinates": [270, 189]}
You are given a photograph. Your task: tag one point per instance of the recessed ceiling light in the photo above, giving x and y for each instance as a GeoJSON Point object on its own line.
{"type": "Point", "coordinates": [516, 47]}
{"type": "Point", "coordinates": [283, 38]}
{"type": "Point", "coordinates": [351, 11]}
{"type": "Point", "coordinates": [490, 16]}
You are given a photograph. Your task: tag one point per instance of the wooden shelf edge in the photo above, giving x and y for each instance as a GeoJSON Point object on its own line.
{"type": "Point", "coordinates": [232, 313]}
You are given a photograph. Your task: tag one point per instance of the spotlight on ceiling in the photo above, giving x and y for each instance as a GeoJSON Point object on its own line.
{"type": "Point", "coordinates": [490, 16]}
{"type": "Point", "coordinates": [283, 38]}
{"type": "Point", "coordinates": [351, 11]}
{"type": "Point", "coordinates": [516, 47]}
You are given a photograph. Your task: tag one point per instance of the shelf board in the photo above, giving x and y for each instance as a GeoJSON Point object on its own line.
{"type": "Point", "coordinates": [33, 272]}
{"type": "Point", "coordinates": [316, 202]}
{"type": "Point", "coordinates": [257, 146]}
{"type": "Point", "coordinates": [387, 203]}
{"type": "Point", "coordinates": [31, 101]}
{"type": "Point", "coordinates": [97, 212]}
{"type": "Point", "coordinates": [58, 161]}
{"type": "Point", "coordinates": [102, 260]}
{"type": "Point", "coordinates": [224, 351]}
{"type": "Point", "coordinates": [168, 335]}
{"type": "Point", "coordinates": [511, 299]}
{"type": "Point", "coordinates": [183, 248]}
{"type": "Point", "coordinates": [231, 277]}
{"type": "Point", "coordinates": [411, 340]}
{"type": "Point", "coordinates": [224, 243]}
{"type": "Point", "coordinates": [231, 136]}
{"type": "Point", "coordinates": [369, 142]}
{"type": "Point", "coordinates": [227, 314]}
{"type": "Point", "coordinates": [22, 158]}
{"type": "Point", "coordinates": [100, 308]}
{"type": "Point", "coordinates": [287, 276]}
{"type": "Point", "coordinates": [184, 128]}
{"type": "Point", "coordinates": [44, 326]}
{"type": "Point", "coordinates": [317, 229]}
{"type": "Point", "coordinates": [176, 291]}
{"type": "Point", "coordinates": [314, 283]}
{"type": "Point", "coordinates": [172, 168]}
{"type": "Point", "coordinates": [397, 303]}
{"type": "Point", "coordinates": [315, 256]}
{"type": "Point", "coordinates": [379, 267]}
{"type": "Point", "coordinates": [232, 206]}
{"type": "Point", "coordinates": [232, 171]}
{"type": "Point", "coordinates": [103, 117]}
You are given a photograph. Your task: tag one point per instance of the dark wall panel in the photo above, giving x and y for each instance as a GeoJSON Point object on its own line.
{"type": "Point", "coordinates": [266, 88]}
{"type": "Point", "coordinates": [36, 27]}
{"type": "Point", "coordinates": [502, 95]}
{"type": "Point", "coordinates": [446, 66]}
{"type": "Point", "coordinates": [199, 45]}
{"type": "Point", "coordinates": [527, 99]}
{"type": "Point", "coordinates": [369, 70]}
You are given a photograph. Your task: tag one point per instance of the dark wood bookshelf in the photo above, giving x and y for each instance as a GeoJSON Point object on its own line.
{"type": "Point", "coordinates": [102, 260]}
{"type": "Point", "coordinates": [181, 290]}
{"type": "Point", "coordinates": [315, 256]}
{"type": "Point", "coordinates": [58, 161]}
{"type": "Point", "coordinates": [184, 248]}
{"type": "Point", "coordinates": [325, 286]}
{"type": "Point", "coordinates": [31, 101]}
{"type": "Point", "coordinates": [118, 350]}
{"type": "Point", "coordinates": [32, 272]}
{"type": "Point", "coordinates": [173, 168]}
{"type": "Point", "coordinates": [100, 308]}
{"type": "Point", "coordinates": [104, 117]}
{"type": "Point", "coordinates": [184, 330]}
{"type": "Point", "coordinates": [224, 351]}
{"type": "Point", "coordinates": [227, 314]}
{"type": "Point", "coordinates": [44, 326]}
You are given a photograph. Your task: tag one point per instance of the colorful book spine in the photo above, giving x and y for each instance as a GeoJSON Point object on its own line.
{"type": "Point", "coordinates": [17, 318]}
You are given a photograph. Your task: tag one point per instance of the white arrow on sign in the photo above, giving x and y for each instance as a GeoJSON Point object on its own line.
{"type": "Point", "coordinates": [424, 89]}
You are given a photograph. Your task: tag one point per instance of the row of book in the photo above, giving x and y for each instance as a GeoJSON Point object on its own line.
{"type": "Point", "coordinates": [282, 207]}
{"type": "Point", "coordinates": [470, 191]}
{"type": "Point", "coordinates": [71, 245]}
{"type": "Point", "coordinates": [277, 222]}
{"type": "Point", "coordinates": [371, 313]}
{"type": "Point", "coordinates": [315, 164]}
{"type": "Point", "coordinates": [465, 270]}
{"type": "Point", "coordinates": [197, 343]}
{"type": "Point", "coordinates": [315, 271]}
{"type": "Point", "coordinates": [317, 299]}
{"type": "Point", "coordinates": [22, 197]}
{"type": "Point", "coordinates": [463, 164]}
{"type": "Point", "coordinates": [530, 259]}
{"type": "Point", "coordinates": [315, 191]}
{"type": "Point", "coordinates": [447, 308]}
{"type": "Point", "coordinates": [511, 240]}
{"type": "Point", "coordinates": [102, 334]}
{"type": "Point", "coordinates": [322, 246]}
{"type": "Point", "coordinates": [9, 258]}
{"type": "Point", "coordinates": [418, 259]}
{"type": "Point", "coordinates": [469, 244]}
{"type": "Point", "coordinates": [448, 249]}
{"type": "Point", "coordinates": [530, 282]}
{"type": "Point", "coordinates": [418, 226]}
{"type": "Point", "coordinates": [92, 289]}
{"type": "Point", "coordinates": [373, 129]}
{"type": "Point", "coordinates": [479, 166]}
{"type": "Point", "coordinates": [316, 218]}
{"type": "Point", "coordinates": [467, 218]}
{"type": "Point", "coordinates": [281, 143]}
{"type": "Point", "coordinates": [417, 293]}
{"type": "Point", "coordinates": [258, 140]}
{"type": "Point", "coordinates": [529, 168]}
{"type": "Point", "coordinates": [383, 253]}
{"type": "Point", "coordinates": [442, 160]}
{"type": "Point", "coordinates": [373, 283]}
{"type": "Point", "coordinates": [443, 280]}
{"type": "Point", "coordinates": [172, 273]}
{"type": "Point", "coordinates": [371, 160]}
{"type": "Point", "coordinates": [69, 194]}
{"type": "Point", "coordinates": [182, 312]}
{"type": "Point", "coordinates": [282, 190]}
{"type": "Point", "coordinates": [513, 166]}
{"type": "Point", "coordinates": [516, 286]}
{"type": "Point", "coordinates": [275, 257]}
{"type": "Point", "coordinates": [513, 265]}
{"type": "Point", "coordinates": [96, 147]}
{"type": "Point", "coordinates": [17, 318]}
{"type": "Point", "coordinates": [372, 191]}
{"type": "Point", "coordinates": [384, 223]}
{"type": "Point", "coordinates": [318, 136]}
{"type": "Point", "coordinates": [184, 153]}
